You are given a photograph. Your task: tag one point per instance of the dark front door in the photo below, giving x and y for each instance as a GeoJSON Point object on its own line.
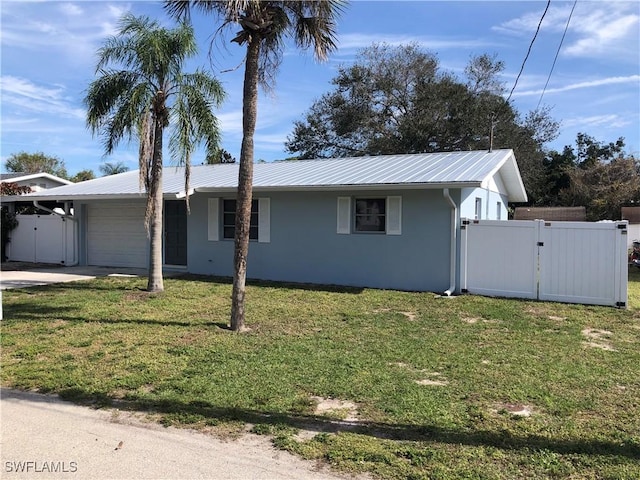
{"type": "Point", "coordinates": [175, 232]}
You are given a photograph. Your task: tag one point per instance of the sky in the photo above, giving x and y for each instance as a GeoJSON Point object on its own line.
{"type": "Point", "coordinates": [48, 58]}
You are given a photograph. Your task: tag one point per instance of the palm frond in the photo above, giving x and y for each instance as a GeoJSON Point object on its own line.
{"type": "Point", "coordinates": [193, 119]}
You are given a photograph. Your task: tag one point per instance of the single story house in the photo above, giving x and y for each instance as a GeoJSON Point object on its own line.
{"type": "Point", "coordinates": [388, 221]}
{"type": "Point", "coordinates": [37, 181]}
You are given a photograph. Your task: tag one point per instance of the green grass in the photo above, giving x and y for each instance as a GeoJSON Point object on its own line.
{"type": "Point", "coordinates": [171, 355]}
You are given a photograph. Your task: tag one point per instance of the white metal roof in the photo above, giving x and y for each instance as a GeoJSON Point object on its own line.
{"type": "Point", "coordinates": [422, 170]}
{"type": "Point", "coordinates": [22, 176]}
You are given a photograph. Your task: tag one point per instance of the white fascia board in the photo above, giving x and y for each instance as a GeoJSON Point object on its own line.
{"type": "Point", "coordinates": [182, 194]}
{"type": "Point", "coordinates": [71, 198]}
{"type": "Point", "coordinates": [95, 196]}
{"type": "Point", "coordinates": [31, 176]}
{"type": "Point", "coordinates": [334, 188]}
{"type": "Point", "coordinates": [508, 170]}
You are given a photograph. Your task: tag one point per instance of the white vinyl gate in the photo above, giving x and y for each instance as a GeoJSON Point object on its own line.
{"type": "Point", "coordinates": [572, 262]}
{"type": "Point", "coordinates": [42, 238]}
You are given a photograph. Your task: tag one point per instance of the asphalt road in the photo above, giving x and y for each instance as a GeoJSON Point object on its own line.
{"type": "Point", "coordinates": [43, 437]}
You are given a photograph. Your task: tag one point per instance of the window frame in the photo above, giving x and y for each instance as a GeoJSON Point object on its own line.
{"type": "Point", "coordinates": [383, 215]}
{"type": "Point", "coordinates": [346, 215]}
{"type": "Point", "coordinates": [478, 209]}
{"type": "Point", "coordinates": [254, 228]}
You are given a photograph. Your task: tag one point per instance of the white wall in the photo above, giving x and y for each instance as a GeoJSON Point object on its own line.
{"type": "Point", "coordinates": [633, 233]}
{"type": "Point", "coordinates": [489, 199]}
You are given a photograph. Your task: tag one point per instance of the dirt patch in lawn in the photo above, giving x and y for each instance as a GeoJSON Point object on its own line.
{"type": "Point", "coordinates": [341, 415]}
{"type": "Point", "coordinates": [596, 338]}
{"type": "Point", "coordinates": [515, 409]}
{"type": "Point", "coordinates": [333, 407]}
{"type": "Point", "coordinates": [434, 379]}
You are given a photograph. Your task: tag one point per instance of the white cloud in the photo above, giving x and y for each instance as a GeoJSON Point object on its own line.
{"type": "Point", "coordinates": [60, 28]}
{"type": "Point", "coordinates": [604, 34]}
{"type": "Point", "coordinates": [353, 41]}
{"type": "Point", "coordinates": [230, 123]}
{"type": "Point", "coordinates": [631, 79]}
{"type": "Point", "coordinates": [593, 121]}
{"type": "Point", "coordinates": [45, 100]}
{"type": "Point", "coordinates": [71, 9]}
{"type": "Point", "coordinates": [596, 29]}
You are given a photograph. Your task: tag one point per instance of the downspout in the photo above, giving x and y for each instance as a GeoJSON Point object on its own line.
{"type": "Point", "coordinates": [75, 227]}
{"type": "Point", "coordinates": [454, 242]}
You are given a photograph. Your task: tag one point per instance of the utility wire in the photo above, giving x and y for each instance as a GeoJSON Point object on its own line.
{"type": "Point", "coordinates": [494, 116]}
{"type": "Point", "coordinates": [557, 53]}
{"type": "Point", "coordinates": [529, 51]}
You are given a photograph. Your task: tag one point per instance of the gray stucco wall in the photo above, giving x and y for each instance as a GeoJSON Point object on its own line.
{"type": "Point", "coordinates": [304, 245]}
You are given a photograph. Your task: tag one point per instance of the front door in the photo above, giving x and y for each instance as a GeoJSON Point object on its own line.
{"type": "Point", "coordinates": [175, 232]}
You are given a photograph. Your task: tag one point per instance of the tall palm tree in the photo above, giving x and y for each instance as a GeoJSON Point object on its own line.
{"type": "Point", "coordinates": [262, 28]}
{"type": "Point", "coordinates": [140, 91]}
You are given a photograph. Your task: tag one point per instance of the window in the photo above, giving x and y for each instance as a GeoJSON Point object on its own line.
{"type": "Point", "coordinates": [370, 215]}
{"type": "Point", "coordinates": [229, 219]}
{"type": "Point", "coordinates": [478, 208]}
{"type": "Point", "coordinates": [221, 220]}
{"type": "Point", "coordinates": [499, 211]}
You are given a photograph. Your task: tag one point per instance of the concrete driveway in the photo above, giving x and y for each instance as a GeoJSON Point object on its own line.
{"type": "Point", "coordinates": [29, 275]}
{"type": "Point", "coordinates": [44, 437]}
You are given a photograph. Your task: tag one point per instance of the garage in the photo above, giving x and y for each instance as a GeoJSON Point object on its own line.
{"type": "Point", "coordinates": [116, 236]}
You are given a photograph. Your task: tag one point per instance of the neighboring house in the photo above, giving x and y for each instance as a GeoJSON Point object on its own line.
{"type": "Point", "coordinates": [387, 221]}
{"type": "Point", "coordinates": [632, 215]}
{"type": "Point", "coordinates": [551, 214]}
{"type": "Point", "coordinates": [37, 181]}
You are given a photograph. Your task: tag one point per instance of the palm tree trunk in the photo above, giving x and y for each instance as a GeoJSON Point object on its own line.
{"type": "Point", "coordinates": [245, 183]}
{"type": "Point", "coordinates": [155, 282]}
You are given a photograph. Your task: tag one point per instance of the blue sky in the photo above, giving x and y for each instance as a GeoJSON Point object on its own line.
{"type": "Point", "coordinates": [48, 60]}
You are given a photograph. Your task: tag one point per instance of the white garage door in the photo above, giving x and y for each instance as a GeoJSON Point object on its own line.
{"type": "Point", "coordinates": [116, 236]}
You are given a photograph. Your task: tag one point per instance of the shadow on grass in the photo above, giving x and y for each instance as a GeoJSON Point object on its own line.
{"type": "Point", "coordinates": [422, 433]}
{"type": "Point", "coordinates": [317, 287]}
{"type": "Point", "coordinates": [33, 308]}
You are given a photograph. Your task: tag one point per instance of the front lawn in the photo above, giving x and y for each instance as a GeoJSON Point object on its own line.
{"type": "Point", "coordinates": [402, 385]}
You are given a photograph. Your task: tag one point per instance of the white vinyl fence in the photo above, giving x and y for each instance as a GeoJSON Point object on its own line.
{"type": "Point", "coordinates": [572, 262]}
{"type": "Point", "coordinates": [42, 238]}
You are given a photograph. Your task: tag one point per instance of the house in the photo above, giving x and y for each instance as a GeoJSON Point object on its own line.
{"type": "Point", "coordinates": [632, 215]}
{"type": "Point", "coordinates": [37, 181]}
{"type": "Point", "coordinates": [387, 221]}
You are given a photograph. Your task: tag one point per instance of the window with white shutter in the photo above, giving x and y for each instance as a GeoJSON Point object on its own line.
{"type": "Point", "coordinates": [264, 220]}
{"type": "Point", "coordinates": [344, 215]}
{"type": "Point", "coordinates": [394, 215]}
{"type": "Point", "coordinates": [213, 217]}
{"type": "Point", "coordinates": [222, 218]}
{"type": "Point", "coordinates": [381, 215]}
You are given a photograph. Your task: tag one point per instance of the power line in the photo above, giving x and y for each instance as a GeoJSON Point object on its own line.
{"type": "Point", "coordinates": [494, 117]}
{"type": "Point", "coordinates": [557, 53]}
{"type": "Point", "coordinates": [529, 51]}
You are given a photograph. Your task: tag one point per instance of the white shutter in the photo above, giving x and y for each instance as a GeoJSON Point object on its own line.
{"type": "Point", "coordinates": [264, 220]}
{"type": "Point", "coordinates": [344, 215]}
{"type": "Point", "coordinates": [214, 220]}
{"type": "Point", "coordinates": [394, 215]}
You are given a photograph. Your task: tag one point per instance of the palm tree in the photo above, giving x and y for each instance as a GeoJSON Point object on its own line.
{"type": "Point", "coordinates": [141, 90]}
{"type": "Point", "coordinates": [111, 168]}
{"type": "Point", "coordinates": [262, 28]}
